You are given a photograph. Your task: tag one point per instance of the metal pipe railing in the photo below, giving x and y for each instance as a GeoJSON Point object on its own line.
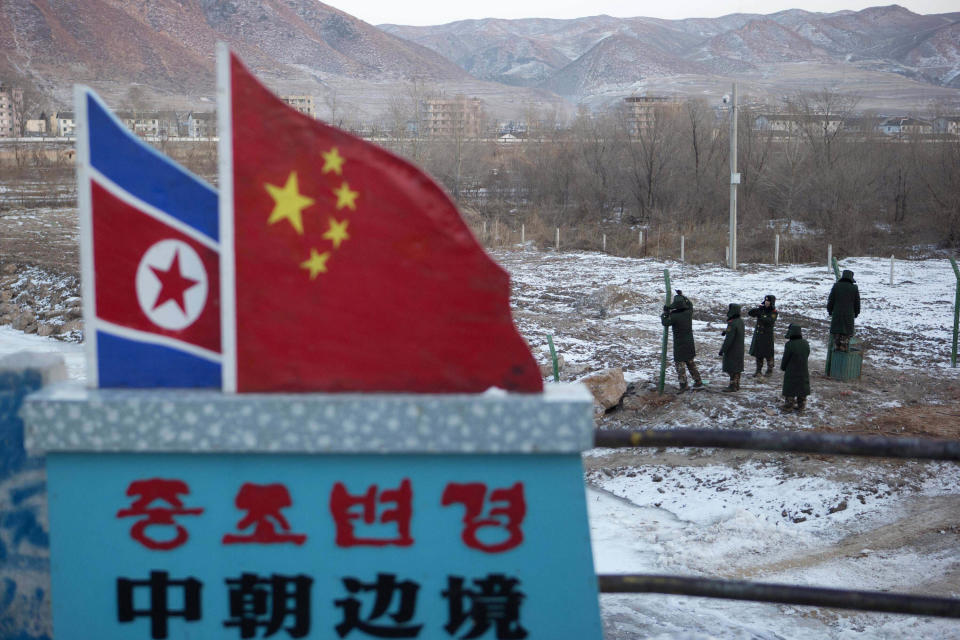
{"type": "Point", "coordinates": [782, 594]}
{"type": "Point", "coordinates": [756, 440]}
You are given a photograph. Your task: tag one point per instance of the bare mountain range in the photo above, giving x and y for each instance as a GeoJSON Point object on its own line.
{"type": "Point", "coordinates": [583, 56]}
{"type": "Point", "coordinates": [169, 45]}
{"type": "Point", "coordinates": [165, 49]}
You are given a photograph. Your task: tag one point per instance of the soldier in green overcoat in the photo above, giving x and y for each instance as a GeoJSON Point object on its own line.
{"type": "Point", "coordinates": [732, 349]}
{"type": "Point", "coordinates": [679, 315]}
{"type": "Point", "coordinates": [796, 375]}
{"type": "Point", "coordinates": [761, 347]}
{"type": "Point", "coordinates": [843, 305]}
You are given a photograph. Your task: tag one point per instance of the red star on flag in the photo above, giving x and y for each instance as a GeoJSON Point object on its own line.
{"type": "Point", "coordinates": [173, 284]}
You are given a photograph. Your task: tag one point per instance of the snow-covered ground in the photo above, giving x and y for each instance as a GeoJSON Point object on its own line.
{"type": "Point", "coordinates": [12, 341]}
{"type": "Point", "coordinates": [811, 520]}
{"type": "Point", "coordinates": [819, 521]}
{"type": "Point", "coordinates": [906, 325]}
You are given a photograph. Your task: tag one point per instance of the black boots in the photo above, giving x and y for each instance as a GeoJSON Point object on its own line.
{"type": "Point", "coordinates": [734, 383]}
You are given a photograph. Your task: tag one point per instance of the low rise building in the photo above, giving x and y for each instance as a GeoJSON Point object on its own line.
{"type": "Point", "coordinates": [303, 104]}
{"type": "Point", "coordinates": [36, 127]}
{"type": "Point", "coordinates": [905, 126]}
{"type": "Point", "coordinates": [796, 123]}
{"type": "Point", "coordinates": [949, 125]}
{"type": "Point", "coordinates": [62, 124]}
{"type": "Point", "coordinates": [202, 124]}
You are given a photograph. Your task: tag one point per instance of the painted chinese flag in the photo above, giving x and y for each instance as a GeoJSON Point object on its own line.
{"type": "Point", "coordinates": [346, 268]}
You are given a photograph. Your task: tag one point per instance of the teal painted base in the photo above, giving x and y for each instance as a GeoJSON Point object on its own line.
{"type": "Point", "coordinates": [846, 365]}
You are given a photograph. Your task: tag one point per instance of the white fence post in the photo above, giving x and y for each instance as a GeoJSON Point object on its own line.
{"type": "Point", "coordinates": [558, 239]}
{"type": "Point", "coordinates": [727, 258]}
{"type": "Point", "coordinates": [681, 248]}
{"type": "Point", "coordinates": [523, 234]}
{"type": "Point", "coordinates": [891, 269]}
{"type": "Point", "coordinates": [641, 241]}
{"type": "Point", "coordinates": [776, 250]}
{"type": "Point", "coordinates": [604, 243]}
{"type": "Point", "coordinates": [484, 229]}
{"type": "Point", "coordinates": [830, 257]}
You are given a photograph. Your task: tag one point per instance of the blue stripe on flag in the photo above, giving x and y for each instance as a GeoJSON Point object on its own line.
{"type": "Point", "coordinates": [137, 168]}
{"type": "Point", "coordinates": [128, 363]}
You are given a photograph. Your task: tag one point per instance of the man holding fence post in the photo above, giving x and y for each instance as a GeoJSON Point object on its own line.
{"type": "Point", "coordinates": [679, 315]}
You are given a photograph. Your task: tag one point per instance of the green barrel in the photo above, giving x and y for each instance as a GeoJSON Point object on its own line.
{"type": "Point", "coordinates": [845, 365]}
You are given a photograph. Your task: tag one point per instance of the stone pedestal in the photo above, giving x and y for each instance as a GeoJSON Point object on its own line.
{"type": "Point", "coordinates": [185, 514]}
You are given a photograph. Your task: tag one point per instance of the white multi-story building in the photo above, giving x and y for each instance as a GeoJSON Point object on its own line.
{"type": "Point", "coordinates": [11, 105]}
{"type": "Point", "coordinates": [202, 124]}
{"type": "Point", "coordinates": [62, 124]}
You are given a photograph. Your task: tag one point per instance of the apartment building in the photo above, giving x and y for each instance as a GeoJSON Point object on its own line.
{"type": "Point", "coordinates": [642, 111]}
{"type": "Point", "coordinates": [453, 117]}
{"type": "Point", "coordinates": [11, 106]}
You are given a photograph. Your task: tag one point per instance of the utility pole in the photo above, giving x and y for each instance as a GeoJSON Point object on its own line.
{"type": "Point", "coordinates": [734, 178]}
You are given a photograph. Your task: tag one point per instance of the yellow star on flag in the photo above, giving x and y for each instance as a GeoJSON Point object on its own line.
{"type": "Point", "coordinates": [346, 197]}
{"type": "Point", "coordinates": [337, 232]}
{"type": "Point", "coordinates": [317, 263]}
{"type": "Point", "coordinates": [289, 203]}
{"type": "Point", "coordinates": [332, 161]}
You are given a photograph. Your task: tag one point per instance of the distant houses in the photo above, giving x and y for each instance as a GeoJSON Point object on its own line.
{"type": "Point", "coordinates": [202, 124]}
{"type": "Point", "coordinates": [303, 104]}
{"type": "Point", "coordinates": [62, 124]}
{"type": "Point", "coordinates": [791, 124]}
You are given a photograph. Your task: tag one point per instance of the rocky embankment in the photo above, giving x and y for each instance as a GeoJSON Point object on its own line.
{"type": "Point", "coordinates": [33, 300]}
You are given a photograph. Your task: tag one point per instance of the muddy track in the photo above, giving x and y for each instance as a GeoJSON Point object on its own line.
{"type": "Point", "coordinates": [929, 526]}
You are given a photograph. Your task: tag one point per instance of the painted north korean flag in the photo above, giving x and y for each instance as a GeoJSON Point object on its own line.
{"type": "Point", "coordinates": [149, 260]}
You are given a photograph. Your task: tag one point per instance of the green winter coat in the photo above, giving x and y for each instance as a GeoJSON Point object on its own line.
{"type": "Point", "coordinates": [762, 344]}
{"type": "Point", "coordinates": [796, 375]}
{"type": "Point", "coordinates": [679, 315]}
{"type": "Point", "coordinates": [732, 349]}
{"type": "Point", "coordinates": [843, 305]}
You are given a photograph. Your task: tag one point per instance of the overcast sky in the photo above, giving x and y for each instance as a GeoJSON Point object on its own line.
{"type": "Point", "coordinates": [428, 12]}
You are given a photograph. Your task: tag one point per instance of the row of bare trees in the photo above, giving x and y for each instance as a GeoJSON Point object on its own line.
{"type": "Point", "coordinates": [859, 189]}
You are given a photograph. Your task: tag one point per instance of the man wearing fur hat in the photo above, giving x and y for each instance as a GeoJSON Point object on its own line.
{"type": "Point", "coordinates": [732, 349]}
{"type": "Point", "coordinates": [679, 315]}
{"type": "Point", "coordinates": [843, 305]}
{"type": "Point", "coordinates": [796, 375]}
{"type": "Point", "coordinates": [761, 346]}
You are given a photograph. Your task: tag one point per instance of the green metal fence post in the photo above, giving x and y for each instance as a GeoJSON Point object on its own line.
{"type": "Point", "coordinates": [826, 368]}
{"type": "Point", "coordinates": [666, 331]}
{"type": "Point", "coordinates": [553, 357]}
{"type": "Point", "coordinates": [956, 314]}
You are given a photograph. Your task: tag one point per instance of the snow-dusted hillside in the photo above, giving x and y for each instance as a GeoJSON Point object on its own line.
{"type": "Point", "coordinates": [604, 52]}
